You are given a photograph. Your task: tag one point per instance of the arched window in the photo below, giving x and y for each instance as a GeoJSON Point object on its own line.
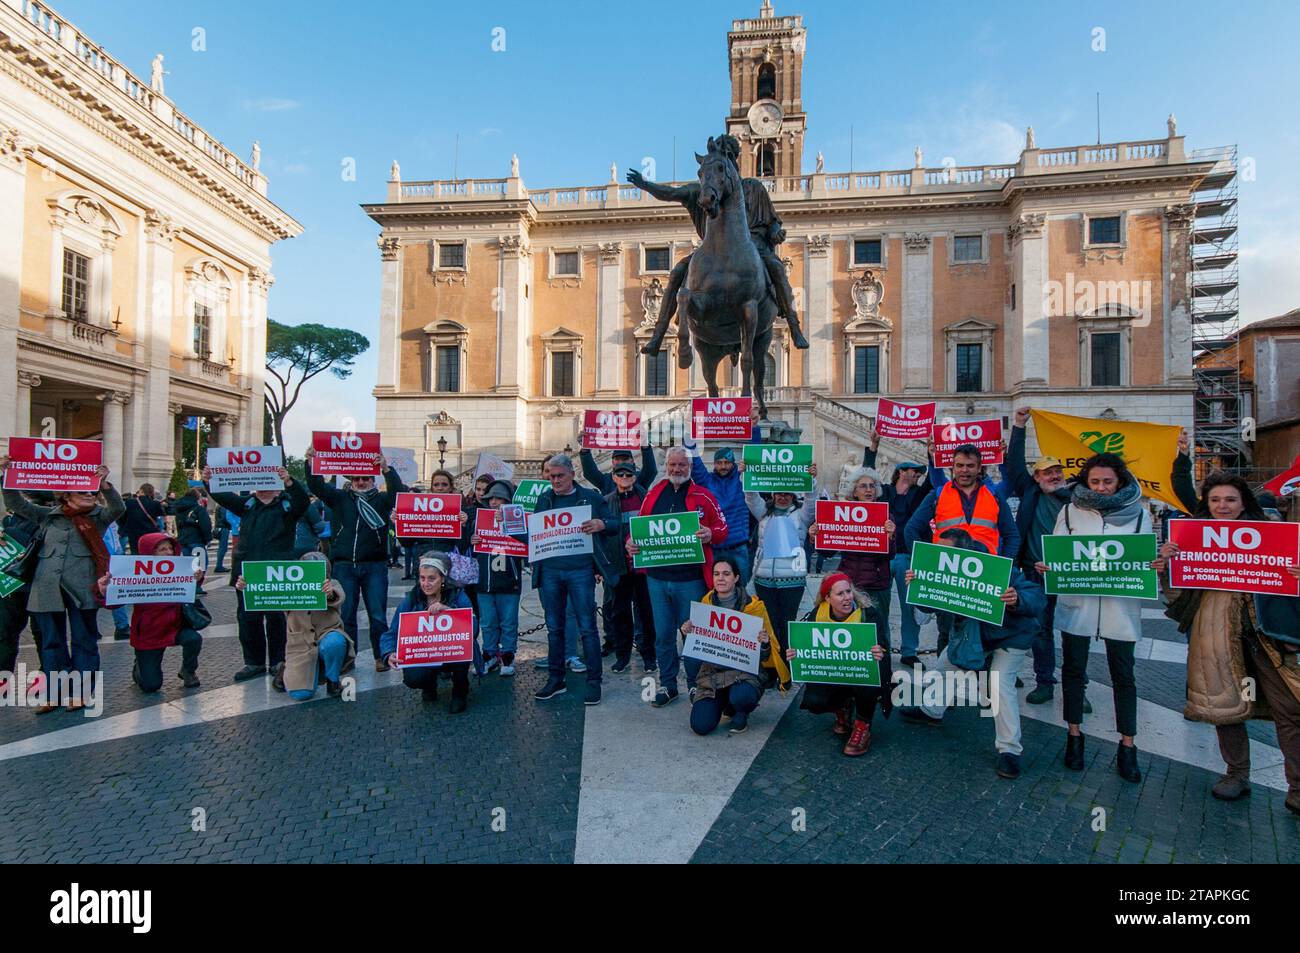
{"type": "Point", "coordinates": [766, 82]}
{"type": "Point", "coordinates": [766, 160]}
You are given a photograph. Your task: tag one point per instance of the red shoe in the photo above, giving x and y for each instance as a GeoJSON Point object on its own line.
{"type": "Point", "coordinates": [859, 741]}
{"type": "Point", "coordinates": [841, 722]}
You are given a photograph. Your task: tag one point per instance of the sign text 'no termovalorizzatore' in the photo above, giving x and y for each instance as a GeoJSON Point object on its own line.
{"type": "Point", "coordinates": [233, 469]}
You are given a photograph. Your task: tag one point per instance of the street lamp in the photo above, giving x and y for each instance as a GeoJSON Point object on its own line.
{"type": "Point", "coordinates": [442, 452]}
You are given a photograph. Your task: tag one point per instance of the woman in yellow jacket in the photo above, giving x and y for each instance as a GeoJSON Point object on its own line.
{"type": "Point", "coordinates": [718, 690]}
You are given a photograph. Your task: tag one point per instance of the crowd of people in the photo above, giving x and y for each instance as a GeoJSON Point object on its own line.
{"type": "Point", "coordinates": [756, 561]}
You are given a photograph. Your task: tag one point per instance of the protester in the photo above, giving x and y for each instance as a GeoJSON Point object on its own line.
{"type": "Point", "coordinates": [64, 595]}
{"type": "Point", "coordinates": [13, 607]}
{"type": "Point", "coordinates": [673, 588]}
{"type": "Point", "coordinates": [1236, 639]}
{"type": "Point", "coordinates": [434, 593]}
{"type": "Point", "coordinates": [724, 483]}
{"type": "Point", "coordinates": [630, 618]}
{"type": "Point", "coordinates": [359, 544]}
{"type": "Point", "coordinates": [157, 625]}
{"type": "Point", "coordinates": [144, 514]}
{"type": "Point", "coordinates": [311, 525]}
{"type": "Point", "coordinates": [1104, 499]}
{"type": "Point", "coordinates": [604, 483]}
{"type": "Point", "coordinates": [571, 579]}
{"type": "Point", "coordinates": [573, 661]}
{"type": "Point", "coordinates": [871, 573]}
{"type": "Point", "coordinates": [193, 526]}
{"type": "Point", "coordinates": [268, 521]}
{"type": "Point", "coordinates": [500, 585]}
{"type": "Point", "coordinates": [999, 649]}
{"type": "Point", "coordinates": [780, 562]}
{"type": "Point", "coordinates": [121, 614]}
{"type": "Point", "coordinates": [722, 691]}
{"type": "Point", "coordinates": [223, 537]}
{"type": "Point", "coordinates": [317, 644]}
{"type": "Point", "coordinates": [904, 493]}
{"type": "Point", "coordinates": [853, 705]}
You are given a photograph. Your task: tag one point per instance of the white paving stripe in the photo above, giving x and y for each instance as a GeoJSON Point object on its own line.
{"type": "Point", "coordinates": [652, 788]}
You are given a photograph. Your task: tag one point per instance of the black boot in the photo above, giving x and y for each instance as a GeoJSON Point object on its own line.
{"type": "Point", "coordinates": [1074, 752]}
{"type": "Point", "coordinates": [1126, 763]}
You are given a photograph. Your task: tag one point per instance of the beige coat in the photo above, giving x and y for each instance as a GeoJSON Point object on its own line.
{"type": "Point", "coordinates": [305, 630]}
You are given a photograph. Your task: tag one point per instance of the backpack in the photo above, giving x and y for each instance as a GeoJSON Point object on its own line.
{"type": "Point", "coordinates": [197, 517]}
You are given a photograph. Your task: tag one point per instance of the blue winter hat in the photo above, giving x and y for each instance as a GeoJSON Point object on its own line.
{"type": "Point", "coordinates": [724, 453]}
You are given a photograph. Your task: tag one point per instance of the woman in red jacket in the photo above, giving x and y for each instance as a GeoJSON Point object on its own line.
{"type": "Point", "coordinates": [155, 626]}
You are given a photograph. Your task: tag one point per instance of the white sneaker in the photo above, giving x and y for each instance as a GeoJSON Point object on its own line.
{"type": "Point", "coordinates": [577, 665]}
{"type": "Point", "coordinates": [507, 670]}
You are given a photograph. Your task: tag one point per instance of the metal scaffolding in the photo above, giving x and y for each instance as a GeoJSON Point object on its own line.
{"type": "Point", "coordinates": [1219, 408]}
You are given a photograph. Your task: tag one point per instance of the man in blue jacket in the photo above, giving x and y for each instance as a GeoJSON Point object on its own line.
{"type": "Point", "coordinates": [725, 484]}
{"type": "Point", "coordinates": [1004, 649]}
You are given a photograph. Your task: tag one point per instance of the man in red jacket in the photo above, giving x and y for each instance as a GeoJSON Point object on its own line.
{"type": "Point", "coordinates": [674, 588]}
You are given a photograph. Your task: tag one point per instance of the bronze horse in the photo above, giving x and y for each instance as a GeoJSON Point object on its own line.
{"type": "Point", "coordinates": [726, 303]}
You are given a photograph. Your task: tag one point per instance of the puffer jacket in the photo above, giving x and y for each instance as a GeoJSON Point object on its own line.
{"type": "Point", "coordinates": [1099, 616]}
{"type": "Point", "coordinates": [304, 630]}
{"type": "Point", "coordinates": [770, 567]}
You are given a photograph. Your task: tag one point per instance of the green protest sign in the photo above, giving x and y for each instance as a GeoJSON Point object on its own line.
{"type": "Point", "coordinates": [9, 550]}
{"type": "Point", "coordinates": [667, 540]}
{"type": "Point", "coordinates": [777, 468]}
{"type": "Point", "coordinates": [528, 491]}
{"type": "Point", "coordinates": [283, 585]}
{"type": "Point", "coordinates": [834, 653]}
{"type": "Point", "coordinates": [1113, 565]}
{"type": "Point", "coordinates": [959, 581]}
{"type": "Point", "coordinates": [9, 585]}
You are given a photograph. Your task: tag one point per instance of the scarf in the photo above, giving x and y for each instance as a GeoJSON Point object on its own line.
{"type": "Point", "coordinates": [1122, 506]}
{"type": "Point", "coordinates": [368, 512]}
{"type": "Point", "coordinates": [824, 613]}
{"type": "Point", "coordinates": [94, 540]}
{"type": "Point", "coordinates": [734, 602]}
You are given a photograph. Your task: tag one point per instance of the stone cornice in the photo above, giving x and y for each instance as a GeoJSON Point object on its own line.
{"type": "Point", "coordinates": [83, 102]}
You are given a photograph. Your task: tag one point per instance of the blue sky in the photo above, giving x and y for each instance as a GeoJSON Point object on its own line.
{"type": "Point", "coordinates": [583, 84]}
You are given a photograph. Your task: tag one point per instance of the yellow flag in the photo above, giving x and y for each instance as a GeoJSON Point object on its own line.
{"type": "Point", "coordinates": [1148, 449]}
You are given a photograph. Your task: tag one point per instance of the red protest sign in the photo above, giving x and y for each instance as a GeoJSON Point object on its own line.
{"type": "Point", "coordinates": [424, 639]}
{"type": "Point", "coordinates": [1237, 555]}
{"type": "Point", "coordinates": [848, 526]}
{"type": "Point", "coordinates": [611, 430]}
{"type": "Point", "coordinates": [986, 435]}
{"type": "Point", "coordinates": [60, 466]}
{"type": "Point", "coordinates": [487, 525]}
{"type": "Point", "coordinates": [427, 516]}
{"type": "Point", "coordinates": [904, 421]}
{"type": "Point", "coordinates": [721, 418]}
{"type": "Point", "coordinates": [338, 453]}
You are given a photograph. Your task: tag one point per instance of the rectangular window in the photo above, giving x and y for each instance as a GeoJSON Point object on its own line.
{"type": "Point", "coordinates": [76, 285]}
{"type": "Point", "coordinates": [1013, 297]}
{"type": "Point", "coordinates": [562, 374]}
{"type": "Point", "coordinates": [566, 264]}
{"type": "Point", "coordinates": [970, 368]}
{"type": "Point", "coordinates": [657, 259]}
{"type": "Point", "coordinates": [656, 374]}
{"type": "Point", "coordinates": [202, 331]}
{"type": "Point", "coordinates": [1103, 231]}
{"type": "Point", "coordinates": [451, 256]}
{"type": "Point", "coordinates": [968, 248]}
{"type": "Point", "coordinates": [1105, 359]}
{"type": "Point", "coordinates": [866, 369]}
{"type": "Point", "coordinates": [447, 372]}
{"type": "Point", "coordinates": [866, 251]}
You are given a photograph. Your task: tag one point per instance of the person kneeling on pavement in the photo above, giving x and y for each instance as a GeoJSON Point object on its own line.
{"type": "Point", "coordinates": [974, 645]}
{"type": "Point", "coordinates": [433, 593]}
{"type": "Point", "coordinates": [317, 644]}
{"type": "Point", "coordinates": [157, 625]}
{"type": "Point", "coordinates": [721, 691]}
{"type": "Point", "coordinates": [854, 705]}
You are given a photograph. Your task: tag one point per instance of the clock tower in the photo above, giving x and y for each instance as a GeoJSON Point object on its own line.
{"type": "Point", "coordinates": [766, 59]}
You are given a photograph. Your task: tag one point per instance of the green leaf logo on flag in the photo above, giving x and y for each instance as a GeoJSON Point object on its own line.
{"type": "Point", "coordinates": [1109, 443]}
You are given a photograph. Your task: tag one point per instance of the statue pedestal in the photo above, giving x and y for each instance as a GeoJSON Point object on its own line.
{"type": "Point", "coordinates": [778, 431]}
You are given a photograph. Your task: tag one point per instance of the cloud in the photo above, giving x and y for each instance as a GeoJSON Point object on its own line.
{"type": "Point", "coordinates": [490, 131]}
{"type": "Point", "coordinates": [295, 168]}
{"type": "Point", "coordinates": [270, 105]}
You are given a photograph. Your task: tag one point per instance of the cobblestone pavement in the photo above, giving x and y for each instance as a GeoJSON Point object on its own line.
{"type": "Point", "coordinates": [238, 773]}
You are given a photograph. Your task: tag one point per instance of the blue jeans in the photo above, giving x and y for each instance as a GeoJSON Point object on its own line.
{"type": "Point", "coordinates": [121, 618]}
{"type": "Point", "coordinates": [672, 606]}
{"type": "Point", "coordinates": [1044, 646]}
{"type": "Point", "coordinates": [52, 627]}
{"type": "Point", "coordinates": [498, 621]}
{"type": "Point", "coordinates": [369, 581]}
{"type": "Point", "coordinates": [223, 543]}
{"type": "Point", "coordinates": [333, 649]}
{"type": "Point", "coordinates": [740, 553]}
{"type": "Point", "coordinates": [911, 632]}
{"type": "Point", "coordinates": [577, 588]}
{"type": "Point", "coordinates": [741, 697]}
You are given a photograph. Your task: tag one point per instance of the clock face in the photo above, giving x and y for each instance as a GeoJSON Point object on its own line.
{"type": "Point", "coordinates": [765, 118]}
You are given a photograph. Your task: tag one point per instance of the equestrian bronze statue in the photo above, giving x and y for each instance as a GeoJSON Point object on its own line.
{"type": "Point", "coordinates": [728, 292]}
